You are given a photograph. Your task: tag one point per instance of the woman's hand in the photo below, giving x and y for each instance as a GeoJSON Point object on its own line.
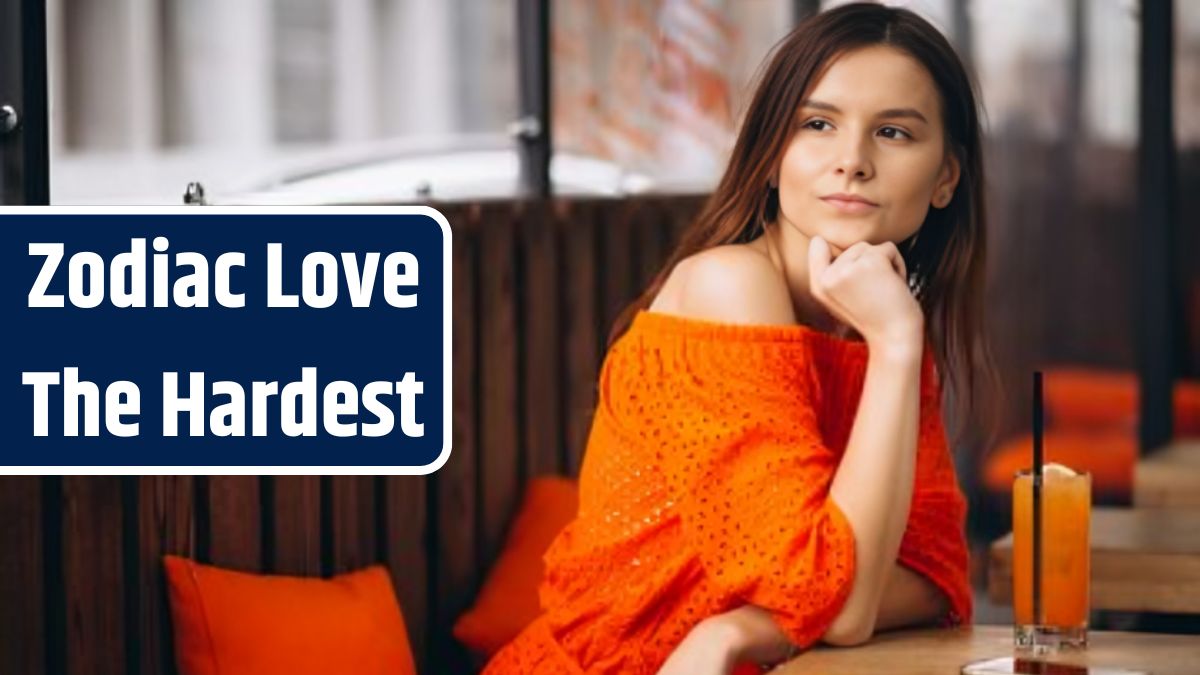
{"type": "Point", "coordinates": [867, 287]}
{"type": "Point", "coordinates": [710, 648]}
{"type": "Point", "coordinates": [747, 634]}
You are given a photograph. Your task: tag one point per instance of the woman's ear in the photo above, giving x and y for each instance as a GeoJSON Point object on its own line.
{"type": "Point", "coordinates": [943, 192]}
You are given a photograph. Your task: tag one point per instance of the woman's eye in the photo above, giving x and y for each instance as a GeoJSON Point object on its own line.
{"type": "Point", "coordinates": [810, 123]}
{"type": "Point", "coordinates": [895, 133]}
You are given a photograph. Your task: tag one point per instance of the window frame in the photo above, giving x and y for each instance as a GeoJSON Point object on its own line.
{"type": "Point", "coordinates": [25, 150]}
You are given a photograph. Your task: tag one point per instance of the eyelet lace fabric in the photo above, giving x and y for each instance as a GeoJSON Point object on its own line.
{"type": "Point", "coordinates": [705, 486]}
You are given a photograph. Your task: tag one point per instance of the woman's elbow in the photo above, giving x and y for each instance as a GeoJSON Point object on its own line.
{"type": "Point", "coordinates": [844, 632]}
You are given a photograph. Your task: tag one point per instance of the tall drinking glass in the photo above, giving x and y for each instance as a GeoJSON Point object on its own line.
{"type": "Point", "coordinates": [1066, 559]}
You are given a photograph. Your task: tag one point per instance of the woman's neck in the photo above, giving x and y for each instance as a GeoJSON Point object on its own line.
{"type": "Point", "coordinates": [787, 248]}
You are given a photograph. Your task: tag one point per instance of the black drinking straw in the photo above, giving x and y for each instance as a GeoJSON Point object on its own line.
{"type": "Point", "coordinates": [1037, 497]}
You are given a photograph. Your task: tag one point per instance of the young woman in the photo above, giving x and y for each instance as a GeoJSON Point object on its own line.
{"type": "Point", "coordinates": [767, 467]}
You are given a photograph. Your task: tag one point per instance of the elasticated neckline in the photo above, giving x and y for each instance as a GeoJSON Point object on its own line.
{"type": "Point", "coordinates": [660, 322]}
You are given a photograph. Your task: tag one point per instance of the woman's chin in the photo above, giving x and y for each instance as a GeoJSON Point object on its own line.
{"type": "Point", "coordinates": [843, 240]}
{"type": "Point", "coordinates": [839, 244]}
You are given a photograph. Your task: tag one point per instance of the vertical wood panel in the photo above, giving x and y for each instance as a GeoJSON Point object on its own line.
{"type": "Point", "coordinates": [165, 525]}
{"type": "Point", "coordinates": [404, 541]}
{"type": "Point", "coordinates": [582, 328]}
{"type": "Point", "coordinates": [235, 522]}
{"type": "Point", "coordinates": [22, 642]}
{"type": "Point", "coordinates": [617, 269]}
{"type": "Point", "coordinates": [651, 247]}
{"type": "Point", "coordinates": [93, 574]}
{"type": "Point", "coordinates": [542, 346]}
{"type": "Point", "coordinates": [353, 505]}
{"type": "Point", "coordinates": [500, 402]}
{"type": "Point", "coordinates": [454, 522]}
{"type": "Point", "coordinates": [296, 513]}
{"type": "Point", "coordinates": [681, 212]}
{"type": "Point", "coordinates": [1019, 324]}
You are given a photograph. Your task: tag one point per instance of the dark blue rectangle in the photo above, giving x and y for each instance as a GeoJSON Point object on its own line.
{"type": "Point", "coordinates": [252, 343]}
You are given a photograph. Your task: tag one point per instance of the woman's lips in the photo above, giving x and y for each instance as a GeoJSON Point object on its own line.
{"type": "Point", "coordinates": [849, 206]}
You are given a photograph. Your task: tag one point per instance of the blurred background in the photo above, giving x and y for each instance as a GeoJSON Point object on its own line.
{"type": "Point", "coordinates": [224, 91]}
{"type": "Point", "coordinates": [569, 143]}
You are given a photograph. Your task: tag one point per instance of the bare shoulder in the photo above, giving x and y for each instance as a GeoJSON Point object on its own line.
{"type": "Point", "coordinates": [729, 284]}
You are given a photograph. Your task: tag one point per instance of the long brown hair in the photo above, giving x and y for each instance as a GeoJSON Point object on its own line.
{"type": "Point", "coordinates": [945, 258]}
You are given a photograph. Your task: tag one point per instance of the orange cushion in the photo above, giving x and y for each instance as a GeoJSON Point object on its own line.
{"type": "Point", "coordinates": [234, 622]}
{"type": "Point", "coordinates": [508, 600]}
{"type": "Point", "coordinates": [1090, 397]}
{"type": "Point", "coordinates": [1108, 455]}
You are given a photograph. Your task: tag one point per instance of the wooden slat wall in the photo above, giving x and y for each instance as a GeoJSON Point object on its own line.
{"type": "Point", "coordinates": [233, 536]}
{"type": "Point", "coordinates": [500, 462]}
{"type": "Point", "coordinates": [454, 495]}
{"type": "Point", "coordinates": [166, 524]}
{"type": "Point", "coordinates": [353, 530]}
{"type": "Point", "coordinates": [295, 511]}
{"type": "Point", "coordinates": [404, 541]}
{"type": "Point", "coordinates": [93, 575]}
{"type": "Point", "coordinates": [584, 334]}
{"type": "Point", "coordinates": [543, 352]}
{"type": "Point", "coordinates": [536, 287]}
{"type": "Point", "coordinates": [22, 604]}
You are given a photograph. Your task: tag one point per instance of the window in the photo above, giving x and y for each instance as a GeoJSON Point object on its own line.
{"type": "Point", "coordinates": [659, 87]}
{"type": "Point", "coordinates": [147, 95]}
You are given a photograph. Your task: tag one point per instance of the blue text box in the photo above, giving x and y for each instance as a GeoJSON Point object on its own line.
{"type": "Point", "coordinates": [398, 341]}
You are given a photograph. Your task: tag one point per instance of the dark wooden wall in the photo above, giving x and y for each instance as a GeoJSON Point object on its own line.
{"type": "Point", "coordinates": [1064, 280]}
{"type": "Point", "coordinates": [536, 287]}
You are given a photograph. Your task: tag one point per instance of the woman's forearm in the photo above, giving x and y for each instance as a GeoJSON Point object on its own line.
{"type": "Point", "coordinates": [909, 599]}
{"type": "Point", "coordinates": [874, 480]}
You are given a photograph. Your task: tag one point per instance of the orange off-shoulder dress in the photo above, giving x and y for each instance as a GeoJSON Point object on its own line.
{"type": "Point", "coordinates": [705, 486]}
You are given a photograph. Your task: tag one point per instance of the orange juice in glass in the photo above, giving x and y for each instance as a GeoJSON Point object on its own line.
{"type": "Point", "coordinates": [1066, 558]}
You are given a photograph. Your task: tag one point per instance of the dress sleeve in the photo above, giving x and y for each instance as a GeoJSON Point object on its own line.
{"type": "Point", "coordinates": [934, 543]}
{"type": "Point", "coordinates": [752, 487]}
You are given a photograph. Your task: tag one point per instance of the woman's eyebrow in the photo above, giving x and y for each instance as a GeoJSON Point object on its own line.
{"type": "Point", "coordinates": [912, 113]}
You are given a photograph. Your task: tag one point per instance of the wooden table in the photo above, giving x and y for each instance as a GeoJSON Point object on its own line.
{"type": "Point", "coordinates": [933, 652]}
{"type": "Point", "coordinates": [1143, 560]}
{"type": "Point", "coordinates": [1169, 477]}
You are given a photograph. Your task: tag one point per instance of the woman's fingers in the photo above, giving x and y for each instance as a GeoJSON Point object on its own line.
{"type": "Point", "coordinates": [887, 249]}
{"type": "Point", "coordinates": [857, 287]}
{"type": "Point", "coordinates": [855, 251]}
{"type": "Point", "coordinates": [893, 254]}
{"type": "Point", "coordinates": [819, 258]}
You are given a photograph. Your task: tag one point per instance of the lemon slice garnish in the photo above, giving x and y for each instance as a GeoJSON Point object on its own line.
{"type": "Point", "coordinates": [1059, 470]}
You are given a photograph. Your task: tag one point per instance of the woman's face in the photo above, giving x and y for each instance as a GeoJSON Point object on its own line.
{"type": "Point", "coordinates": [871, 128]}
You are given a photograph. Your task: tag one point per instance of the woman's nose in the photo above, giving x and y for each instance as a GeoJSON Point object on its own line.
{"type": "Point", "coordinates": [853, 158]}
